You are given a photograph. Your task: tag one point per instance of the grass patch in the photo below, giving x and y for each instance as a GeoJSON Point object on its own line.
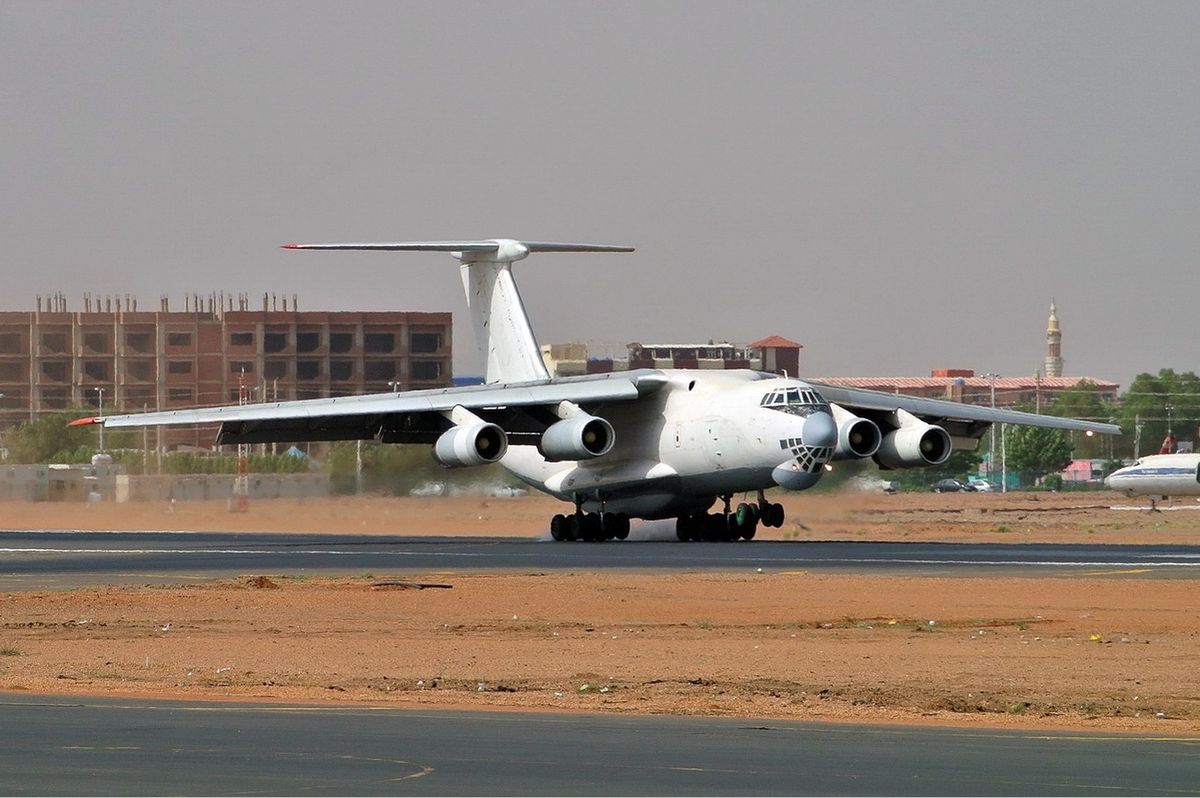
{"type": "Point", "coordinates": [10, 652]}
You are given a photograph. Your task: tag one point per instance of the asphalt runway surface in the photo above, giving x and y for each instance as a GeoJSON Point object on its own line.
{"type": "Point", "coordinates": [54, 558]}
{"type": "Point", "coordinates": [65, 746]}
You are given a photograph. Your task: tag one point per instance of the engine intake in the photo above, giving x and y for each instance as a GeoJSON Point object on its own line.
{"type": "Point", "coordinates": [857, 437]}
{"type": "Point", "coordinates": [914, 444]}
{"type": "Point", "coordinates": [470, 445]}
{"type": "Point", "coordinates": [581, 437]}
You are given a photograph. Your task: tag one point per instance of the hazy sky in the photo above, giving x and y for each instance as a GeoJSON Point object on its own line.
{"type": "Point", "coordinates": [898, 186]}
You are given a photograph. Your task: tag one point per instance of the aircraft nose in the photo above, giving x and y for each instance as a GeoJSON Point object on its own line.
{"type": "Point", "coordinates": [819, 430]}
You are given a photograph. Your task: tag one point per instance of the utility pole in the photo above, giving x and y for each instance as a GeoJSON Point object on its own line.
{"type": "Point", "coordinates": [1137, 436]}
{"type": "Point", "coordinates": [1003, 463]}
{"type": "Point", "coordinates": [992, 447]}
{"type": "Point", "coordinates": [100, 407]}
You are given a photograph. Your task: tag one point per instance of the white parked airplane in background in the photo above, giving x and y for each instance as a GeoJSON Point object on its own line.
{"type": "Point", "coordinates": [1158, 476]}
{"type": "Point", "coordinates": [649, 443]}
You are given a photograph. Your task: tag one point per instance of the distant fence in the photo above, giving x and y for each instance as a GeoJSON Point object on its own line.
{"type": "Point", "coordinates": [79, 483]}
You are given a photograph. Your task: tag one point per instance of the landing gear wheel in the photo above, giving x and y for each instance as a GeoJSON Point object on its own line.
{"type": "Point", "coordinates": [772, 515]}
{"type": "Point", "coordinates": [591, 530]}
{"type": "Point", "coordinates": [558, 525]}
{"type": "Point", "coordinates": [622, 529]}
{"type": "Point", "coordinates": [745, 521]}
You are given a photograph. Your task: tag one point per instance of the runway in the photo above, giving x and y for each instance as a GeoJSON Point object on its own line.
{"type": "Point", "coordinates": [141, 747]}
{"type": "Point", "coordinates": [37, 559]}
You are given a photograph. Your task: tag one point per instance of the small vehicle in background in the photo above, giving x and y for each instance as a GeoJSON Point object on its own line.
{"type": "Point", "coordinates": [951, 486]}
{"type": "Point", "coordinates": [982, 485]}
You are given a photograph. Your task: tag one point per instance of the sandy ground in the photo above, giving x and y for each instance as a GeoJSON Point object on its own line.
{"type": "Point", "coordinates": [973, 517]}
{"type": "Point", "coordinates": [1104, 650]}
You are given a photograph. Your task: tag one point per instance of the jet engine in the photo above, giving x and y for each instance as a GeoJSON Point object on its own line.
{"type": "Point", "coordinates": [580, 437]}
{"type": "Point", "coordinates": [914, 444]}
{"type": "Point", "coordinates": [470, 445]}
{"type": "Point", "coordinates": [857, 437]}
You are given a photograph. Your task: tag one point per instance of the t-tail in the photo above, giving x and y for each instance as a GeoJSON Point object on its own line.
{"type": "Point", "coordinates": [507, 345]}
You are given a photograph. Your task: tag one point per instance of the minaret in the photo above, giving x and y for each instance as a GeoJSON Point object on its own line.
{"type": "Point", "coordinates": [1054, 361]}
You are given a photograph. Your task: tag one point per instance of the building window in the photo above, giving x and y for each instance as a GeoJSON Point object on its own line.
{"type": "Point", "coordinates": [379, 343]}
{"type": "Point", "coordinates": [308, 341]}
{"type": "Point", "coordinates": [54, 370]}
{"type": "Point", "coordinates": [341, 342]}
{"type": "Point", "coordinates": [97, 343]}
{"type": "Point", "coordinates": [138, 398]}
{"type": "Point", "coordinates": [341, 370]}
{"type": "Point", "coordinates": [241, 339]}
{"type": "Point", "coordinates": [275, 369]}
{"type": "Point", "coordinates": [422, 370]}
{"type": "Point", "coordinates": [13, 372]}
{"type": "Point", "coordinates": [180, 396]}
{"type": "Point", "coordinates": [179, 367]}
{"type": "Point", "coordinates": [379, 370]}
{"type": "Point", "coordinates": [142, 370]}
{"type": "Point", "coordinates": [308, 369]}
{"type": "Point", "coordinates": [274, 341]}
{"type": "Point", "coordinates": [425, 342]}
{"type": "Point", "coordinates": [54, 342]}
{"type": "Point", "coordinates": [54, 398]}
{"type": "Point", "coordinates": [10, 344]}
{"type": "Point", "coordinates": [179, 339]}
{"type": "Point", "coordinates": [241, 367]}
{"type": "Point", "coordinates": [138, 342]}
{"type": "Point", "coordinates": [97, 370]}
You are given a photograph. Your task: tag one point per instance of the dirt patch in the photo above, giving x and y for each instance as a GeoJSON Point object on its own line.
{"type": "Point", "coordinates": [1093, 653]}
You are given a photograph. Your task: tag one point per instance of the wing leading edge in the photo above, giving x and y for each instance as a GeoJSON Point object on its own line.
{"type": "Point", "coordinates": [412, 416]}
{"type": "Point", "coordinates": [976, 417]}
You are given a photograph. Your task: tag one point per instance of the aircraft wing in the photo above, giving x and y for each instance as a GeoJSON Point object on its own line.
{"type": "Point", "coordinates": [407, 417]}
{"type": "Point", "coordinates": [962, 421]}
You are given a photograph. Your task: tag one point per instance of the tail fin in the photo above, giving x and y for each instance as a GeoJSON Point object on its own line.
{"type": "Point", "coordinates": [506, 341]}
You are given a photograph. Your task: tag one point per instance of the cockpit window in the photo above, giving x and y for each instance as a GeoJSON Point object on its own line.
{"type": "Point", "coordinates": [797, 401]}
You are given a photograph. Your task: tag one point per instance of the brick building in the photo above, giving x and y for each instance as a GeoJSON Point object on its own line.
{"type": "Point", "coordinates": [137, 360]}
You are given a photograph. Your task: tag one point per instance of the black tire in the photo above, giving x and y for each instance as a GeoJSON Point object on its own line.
{"type": "Point", "coordinates": [683, 529]}
{"type": "Point", "coordinates": [778, 512]}
{"type": "Point", "coordinates": [572, 529]}
{"type": "Point", "coordinates": [557, 527]}
{"type": "Point", "coordinates": [749, 530]}
{"type": "Point", "coordinates": [592, 530]}
{"type": "Point", "coordinates": [622, 530]}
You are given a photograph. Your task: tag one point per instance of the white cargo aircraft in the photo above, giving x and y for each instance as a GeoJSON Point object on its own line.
{"type": "Point", "coordinates": [1159, 476]}
{"type": "Point", "coordinates": [649, 443]}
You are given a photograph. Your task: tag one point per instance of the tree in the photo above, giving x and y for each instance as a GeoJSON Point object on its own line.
{"type": "Point", "coordinates": [1034, 452]}
{"type": "Point", "coordinates": [1083, 401]}
{"type": "Point", "coordinates": [51, 439]}
{"type": "Point", "coordinates": [1153, 400]}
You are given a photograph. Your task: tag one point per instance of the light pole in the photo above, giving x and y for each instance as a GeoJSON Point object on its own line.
{"type": "Point", "coordinates": [1169, 408]}
{"type": "Point", "coordinates": [992, 447]}
{"type": "Point", "coordinates": [100, 415]}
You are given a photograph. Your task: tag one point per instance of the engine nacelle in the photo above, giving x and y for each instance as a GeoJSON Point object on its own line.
{"type": "Point", "coordinates": [581, 437]}
{"type": "Point", "coordinates": [914, 444]}
{"type": "Point", "coordinates": [470, 445]}
{"type": "Point", "coordinates": [857, 437]}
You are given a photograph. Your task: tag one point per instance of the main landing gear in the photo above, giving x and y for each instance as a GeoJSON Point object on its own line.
{"type": "Point", "coordinates": [589, 526]}
{"type": "Point", "coordinates": [737, 524]}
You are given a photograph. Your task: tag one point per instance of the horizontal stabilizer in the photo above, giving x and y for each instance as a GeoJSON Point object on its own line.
{"type": "Point", "coordinates": [490, 245]}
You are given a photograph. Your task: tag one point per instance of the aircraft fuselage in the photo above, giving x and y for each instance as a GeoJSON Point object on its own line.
{"type": "Point", "coordinates": [704, 434]}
